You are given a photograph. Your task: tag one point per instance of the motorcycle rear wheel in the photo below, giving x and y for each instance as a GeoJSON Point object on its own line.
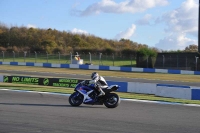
{"type": "Point", "coordinates": [112, 100]}
{"type": "Point", "coordinates": [75, 99]}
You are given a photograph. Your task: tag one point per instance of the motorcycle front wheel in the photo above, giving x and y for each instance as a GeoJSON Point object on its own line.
{"type": "Point", "coordinates": [76, 99]}
{"type": "Point", "coordinates": [112, 100]}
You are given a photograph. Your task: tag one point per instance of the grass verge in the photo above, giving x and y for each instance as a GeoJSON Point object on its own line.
{"type": "Point", "coordinates": [152, 76]}
{"type": "Point", "coordinates": [70, 90]}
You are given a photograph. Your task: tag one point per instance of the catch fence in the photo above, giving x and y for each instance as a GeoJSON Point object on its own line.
{"type": "Point", "coordinates": [160, 62]}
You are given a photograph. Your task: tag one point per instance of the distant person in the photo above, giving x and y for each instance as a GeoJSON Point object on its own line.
{"type": "Point", "coordinates": [76, 58]}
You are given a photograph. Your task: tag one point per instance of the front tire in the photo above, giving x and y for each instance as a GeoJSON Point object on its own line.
{"type": "Point", "coordinates": [76, 99]}
{"type": "Point", "coordinates": [112, 100]}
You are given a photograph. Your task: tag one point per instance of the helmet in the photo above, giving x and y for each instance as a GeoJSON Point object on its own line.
{"type": "Point", "coordinates": [94, 75]}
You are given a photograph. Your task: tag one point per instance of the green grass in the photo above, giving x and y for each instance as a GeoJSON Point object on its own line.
{"type": "Point", "coordinates": [66, 59]}
{"type": "Point", "coordinates": [151, 76]}
{"type": "Point", "coordinates": [160, 76]}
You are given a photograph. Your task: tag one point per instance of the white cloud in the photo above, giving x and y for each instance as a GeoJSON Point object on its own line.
{"type": "Point", "coordinates": [176, 41]}
{"type": "Point", "coordinates": [78, 31]}
{"type": "Point", "coordinates": [127, 6]}
{"type": "Point", "coordinates": [127, 33]}
{"type": "Point", "coordinates": [145, 20]}
{"type": "Point", "coordinates": [31, 26]}
{"type": "Point", "coordinates": [181, 23]}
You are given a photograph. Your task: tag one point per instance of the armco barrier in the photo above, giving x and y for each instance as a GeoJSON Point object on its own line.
{"type": "Point", "coordinates": [56, 82]}
{"type": "Point", "coordinates": [145, 88]}
{"type": "Point", "coordinates": [182, 92]}
{"type": "Point", "coordinates": [97, 67]}
{"type": "Point", "coordinates": [1, 78]}
{"type": "Point", "coordinates": [195, 92]}
{"type": "Point", "coordinates": [164, 90]}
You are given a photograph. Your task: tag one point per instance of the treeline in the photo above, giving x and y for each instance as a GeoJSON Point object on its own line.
{"type": "Point", "coordinates": [54, 41]}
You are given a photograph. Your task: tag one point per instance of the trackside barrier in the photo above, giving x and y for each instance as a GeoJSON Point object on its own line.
{"type": "Point", "coordinates": [100, 67]}
{"type": "Point", "coordinates": [182, 92]}
{"type": "Point", "coordinates": [56, 82]}
{"type": "Point", "coordinates": [195, 93]}
{"type": "Point", "coordinates": [164, 90]}
{"type": "Point", "coordinates": [145, 88]}
{"type": "Point", "coordinates": [1, 78]}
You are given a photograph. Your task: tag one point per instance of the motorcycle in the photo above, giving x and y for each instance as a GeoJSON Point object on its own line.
{"type": "Point", "coordinates": [87, 94]}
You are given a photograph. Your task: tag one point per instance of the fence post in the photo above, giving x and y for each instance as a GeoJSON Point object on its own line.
{"type": "Point", "coordinates": [35, 56]}
{"type": "Point", "coordinates": [90, 57]}
{"type": "Point", "coordinates": [3, 55]}
{"type": "Point", "coordinates": [131, 60]}
{"type": "Point", "coordinates": [17, 54]}
{"type": "Point", "coordinates": [25, 56]}
{"type": "Point", "coordinates": [100, 59]}
{"type": "Point", "coordinates": [59, 56]}
{"type": "Point", "coordinates": [186, 64]}
{"type": "Point", "coordinates": [71, 56]}
{"type": "Point", "coordinates": [113, 59]}
{"type": "Point", "coordinates": [163, 61]}
{"type": "Point", "coordinates": [13, 56]}
{"type": "Point", "coordinates": [177, 61]}
{"type": "Point", "coordinates": [47, 57]}
{"type": "Point", "coordinates": [196, 61]}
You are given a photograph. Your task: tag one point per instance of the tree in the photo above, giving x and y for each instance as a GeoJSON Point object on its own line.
{"type": "Point", "coordinates": [191, 48]}
{"type": "Point", "coordinates": [75, 41]}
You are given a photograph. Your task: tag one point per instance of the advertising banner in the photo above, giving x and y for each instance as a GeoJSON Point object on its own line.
{"type": "Point", "coordinates": [57, 82]}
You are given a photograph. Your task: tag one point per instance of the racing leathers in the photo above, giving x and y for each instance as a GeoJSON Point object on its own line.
{"type": "Point", "coordinates": [99, 83]}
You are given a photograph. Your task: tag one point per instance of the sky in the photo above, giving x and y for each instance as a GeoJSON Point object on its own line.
{"type": "Point", "coordinates": [163, 24]}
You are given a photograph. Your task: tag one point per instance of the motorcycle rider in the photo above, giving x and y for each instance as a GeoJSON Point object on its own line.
{"type": "Point", "coordinates": [99, 82]}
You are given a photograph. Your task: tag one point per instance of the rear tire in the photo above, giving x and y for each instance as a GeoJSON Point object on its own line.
{"type": "Point", "coordinates": [75, 99]}
{"type": "Point", "coordinates": [112, 100]}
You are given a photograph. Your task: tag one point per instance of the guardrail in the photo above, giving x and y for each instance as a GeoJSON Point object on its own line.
{"type": "Point", "coordinates": [164, 90]}
{"type": "Point", "coordinates": [100, 67]}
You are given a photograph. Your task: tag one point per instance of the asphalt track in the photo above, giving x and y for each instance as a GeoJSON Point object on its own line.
{"type": "Point", "coordinates": [23, 112]}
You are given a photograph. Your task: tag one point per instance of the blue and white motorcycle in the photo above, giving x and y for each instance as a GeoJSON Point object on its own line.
{"type": "Point", "coordinates": [87, 94]}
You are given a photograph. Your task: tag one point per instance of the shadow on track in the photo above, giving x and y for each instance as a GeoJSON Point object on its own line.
{"type": "Point", "coordinates": [50, 105]}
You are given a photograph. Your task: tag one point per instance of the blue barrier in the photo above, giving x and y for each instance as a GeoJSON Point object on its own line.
{"type": "Point", "coordinates": [192, 93]}
{"type": "Point", "coordinates": [46, 64]}
{"type": "Point", "coordinates": [149, 70]}
{"type": "Point", "coordinates": [174, 71]}
{"type": "Point", "coordinates": [14, 63]}
{"type": "Point", "coordinates": [84, 67]}
{"type": "Point", "coordinates": [64, 65]}
{"type": "Point", "coordinates": [104, 68]}
{"type": "Point", "coordinates": [97, 67]}
{"type": "Point", "coordinates": [195, 94]}
{"type": "Point", "coordinates": [29, 64]}
{"type": "Point", "coordinates": [126, 69]}
{"type": "Point", "coordinates": [197, 72]}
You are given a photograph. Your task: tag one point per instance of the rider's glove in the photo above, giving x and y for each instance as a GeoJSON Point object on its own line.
{"type": "Point", "coordinates": [86, 82]}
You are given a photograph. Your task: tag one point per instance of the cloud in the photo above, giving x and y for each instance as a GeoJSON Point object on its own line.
{"type": "Point", "coordinates": [145, 20]}
{"type": "Point", "coordinates": [78, 31]}
{"type": "Point", "coordinates": [127, 33]}
{"type": "Point", "coordinates": [182, 23]}
{"type": "Point", "coordinates": [175, 41]}
{"type": "Point", "coordinates": [31, 26]}
{"type": "Point", "coordinates": [127, 6]}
